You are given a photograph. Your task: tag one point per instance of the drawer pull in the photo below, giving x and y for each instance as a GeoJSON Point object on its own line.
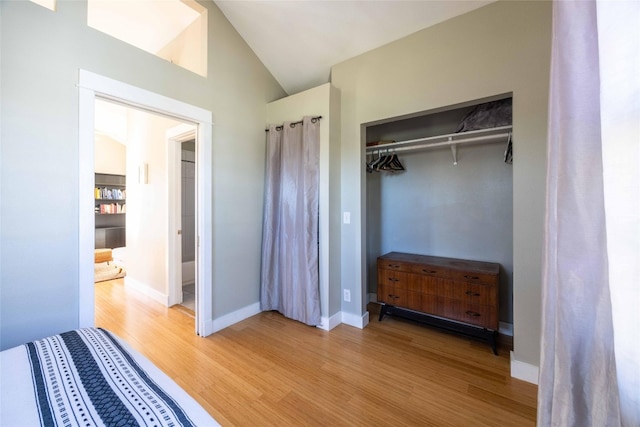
{"type": "Point", "coordinates": [473, 313]}
{"type": "Point", "coordinates": [472, 294]}
{"type": "Point", "coordinates": [471, 277]}
{"type": "Point", "coordinates": [430, 271]}
{"type": "Point", "coordinates": [393, 279]}
{"type": "Point", "coordinates": [394, 266]}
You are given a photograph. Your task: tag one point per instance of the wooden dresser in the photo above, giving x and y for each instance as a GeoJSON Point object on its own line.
{"type": "Point", "coordinates": [455, 294]}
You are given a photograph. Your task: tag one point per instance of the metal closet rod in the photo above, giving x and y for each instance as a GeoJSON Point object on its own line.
{"type": "Point", "coordinates": [423, 143]}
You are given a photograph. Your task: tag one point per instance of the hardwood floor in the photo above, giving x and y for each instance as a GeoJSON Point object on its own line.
{"type": "Point", "coordinates": [269, 370]}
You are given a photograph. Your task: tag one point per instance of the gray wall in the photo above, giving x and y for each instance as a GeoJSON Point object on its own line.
{"type": "Point", "coordinates": [41, 54]}
{"type": "Point", "coordinates": [500, 48]}
{"type": "Point", "coordinates": [438, 208]}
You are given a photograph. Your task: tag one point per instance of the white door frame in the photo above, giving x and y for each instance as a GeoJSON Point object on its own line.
{"type": "Point", "coordinates": [175, 137]}
{"type": "Point", "coordinates": [90, 86]}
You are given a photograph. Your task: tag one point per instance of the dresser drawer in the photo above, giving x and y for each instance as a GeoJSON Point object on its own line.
{"type": "Point", "coordinates": [474, 314]}
{"type": "Point", "coordinates": [401, 279]}
{"type": "Point", "coordinates": [386, 293]}
{"type": "Point", "coordinates": [480, 315]}
{"type": "Point", "coordinates": [430, 270]}
{"type": "Point", "coordinates": [387, 264]}
{"type": "Point", "coordinates": [470, 293]}
{"type": "Point", "coordinates": [397, 288]}
{"type": "Point", "coordinates": [470, 277]}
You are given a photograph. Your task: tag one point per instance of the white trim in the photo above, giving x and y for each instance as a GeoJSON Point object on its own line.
{"type": "Point", "coordinates": [355, 320]}
{"type": "Point", "coordinates": [235, 317]}
{"type": "Point", "coordinates": [505, 328]}
{"type": "Point", "coordinates": [86, 217]}
{"type": "Point", "coordinates": [204, 228]}
{"type": "Point", "coordinates": [524, 371]}
{"type": "Point", "coordinates": [91, 85]}
{"type": "Point", "coordinates": [328, 323]}
{"type": "Point", "coordinates": [132, 95]}
{"type": "Point", "coordinates": [147, 290]}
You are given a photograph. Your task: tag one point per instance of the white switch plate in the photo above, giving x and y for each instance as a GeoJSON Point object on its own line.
{"type": "Point", "coordinates": [346, 217]}
{"type": "Point", "coordinates": [347, 295]}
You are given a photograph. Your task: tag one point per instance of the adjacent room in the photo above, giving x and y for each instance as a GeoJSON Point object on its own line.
{"type": "Point", "coordinates": [238, 213]}
{"type": "Point", "coordinates": [139, 165]}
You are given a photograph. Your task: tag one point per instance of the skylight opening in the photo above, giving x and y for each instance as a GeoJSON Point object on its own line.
{"type": "Point", "coordinates": [49, 4]}
{"type": "Point", "coordinates": [175, 30]}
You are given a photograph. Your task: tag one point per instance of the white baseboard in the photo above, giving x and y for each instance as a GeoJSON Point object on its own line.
{"type": "Point", "coordinates": [208, 328]}
{"type": "Point", "coordinates": [328, 323]}
{"type": "Point", "coordinates": [147, 290]}
{"type": "Point", "coordinates": [524, 371]}
{"type": "Point", "coordinates": [355, 320]}
{"type": "Point", "coordinates": [232, 318]}
{"type": "Point", "coordinates": [373, 297]}
{"type": "Point", "coordinates": [505, 328]}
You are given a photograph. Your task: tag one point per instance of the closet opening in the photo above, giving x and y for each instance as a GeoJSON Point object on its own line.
{"type": "Point", "coordinates": [452, 199]}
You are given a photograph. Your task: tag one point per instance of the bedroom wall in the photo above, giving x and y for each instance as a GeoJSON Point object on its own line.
{"type": "Point", "coordinates": [111, 156]}
{"type": "Point", "coordinates": [42, 51]}
{"type": "Point", "coordinates": [500, 48]}
{"type": "Point", "coordinates": [147, 203]}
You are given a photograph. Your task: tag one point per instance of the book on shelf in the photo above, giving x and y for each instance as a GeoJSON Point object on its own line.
{"type": "Point", "coordinates": [106, 193]}
{"type": "Point", "coordinates": [111, 208]}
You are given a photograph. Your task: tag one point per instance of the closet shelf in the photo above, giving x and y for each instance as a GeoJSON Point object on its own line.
{"type": "Point", "coordinates": [490, 135]}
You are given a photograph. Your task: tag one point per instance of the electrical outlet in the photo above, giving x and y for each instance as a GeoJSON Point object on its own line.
{"type": "Point", "coordinates": [347, 295]}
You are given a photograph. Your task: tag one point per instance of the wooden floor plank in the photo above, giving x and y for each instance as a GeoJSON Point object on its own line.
{"type": "Point", "coordinates": [269, 370]}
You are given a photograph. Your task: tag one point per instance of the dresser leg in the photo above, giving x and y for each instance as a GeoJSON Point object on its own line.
{"type": "Point", "coordinates": [382, 312]}
{"type": "Point", "coordinates": [493, 340]}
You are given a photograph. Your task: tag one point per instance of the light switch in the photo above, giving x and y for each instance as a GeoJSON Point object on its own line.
{"type": "Point", "coordinates": [346, 217]}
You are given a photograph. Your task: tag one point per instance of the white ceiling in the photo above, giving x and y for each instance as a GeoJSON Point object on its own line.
{"type": "Point", "coordinates": [299, 41]}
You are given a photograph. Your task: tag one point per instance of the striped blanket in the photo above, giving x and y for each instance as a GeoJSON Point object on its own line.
{"type": "Point", "coordinates": [86, 377]}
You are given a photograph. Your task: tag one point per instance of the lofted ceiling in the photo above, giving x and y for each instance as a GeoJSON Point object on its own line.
{"type": "Point", "coordinates": [299, 41]}
{"type": "Point", "coordinates": [149, 27]}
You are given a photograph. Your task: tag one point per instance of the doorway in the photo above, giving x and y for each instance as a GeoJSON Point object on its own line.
{"type": "Point", "coordinates": [92, 86]}
{"type": "Point", "coordinates": [129, 146]}
{"type": "Point", "coordinates": [182, 253]}
{"type": "Point", "coordinates": [188, 226]}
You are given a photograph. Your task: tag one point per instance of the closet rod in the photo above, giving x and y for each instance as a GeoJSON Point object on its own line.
{"type": "Point", "coordinates": [391, 148]}
{"type": "Point", "coordinates": [293, 124]}
{"type": "Point", "coordinates": [482, 135]}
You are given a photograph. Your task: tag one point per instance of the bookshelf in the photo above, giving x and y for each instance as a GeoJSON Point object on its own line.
{"type": "Point", "coordinates": [110, 194]}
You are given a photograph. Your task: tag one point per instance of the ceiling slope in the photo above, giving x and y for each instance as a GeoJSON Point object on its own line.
{"type": "Point", "coordinates": [299, 41]}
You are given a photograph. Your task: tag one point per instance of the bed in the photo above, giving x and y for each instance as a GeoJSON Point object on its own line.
{"type": "Point", "coordinates": [89, 377]}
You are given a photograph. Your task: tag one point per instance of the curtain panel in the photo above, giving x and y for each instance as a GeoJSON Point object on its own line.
{"type": "Point", "coordinates": [290, 276]}
{"type": "Point", "coordinates": [590, 351]}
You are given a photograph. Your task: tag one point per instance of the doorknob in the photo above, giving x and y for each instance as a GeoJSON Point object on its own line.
{"type": "Point", "coordinates": [179, 232]}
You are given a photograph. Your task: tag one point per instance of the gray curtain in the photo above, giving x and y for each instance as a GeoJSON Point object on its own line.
{"type": "Point", "coordinates": [583, 348]}
{"type": "Point", "coordinates": [289, 276]}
